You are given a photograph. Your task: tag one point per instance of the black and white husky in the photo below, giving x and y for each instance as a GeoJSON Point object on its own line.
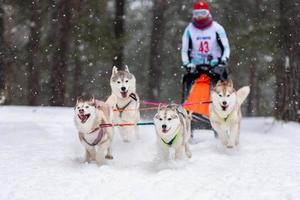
{"type": "Point", "coordinates": [125, 102]}
{"type": "Point", "coordinates": [173, 130]}
{"type": "Point", "coordinates": [88, 116]}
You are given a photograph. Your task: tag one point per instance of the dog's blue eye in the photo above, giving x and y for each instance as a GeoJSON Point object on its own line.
{"type": "Point", "coordinates": [86, 106]}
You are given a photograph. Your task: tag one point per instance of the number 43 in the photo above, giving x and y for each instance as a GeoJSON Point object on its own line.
{"type": "Point", "coordinates": [204, 48]}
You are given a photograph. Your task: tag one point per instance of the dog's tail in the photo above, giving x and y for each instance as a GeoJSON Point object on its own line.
{"type": "Point", "coordinates": [242, 94]}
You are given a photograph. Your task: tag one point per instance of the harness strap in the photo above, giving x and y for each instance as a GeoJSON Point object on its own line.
{"type": "Point", "coordinates": [97, 140]}
{"type": "Point", "coordinates": [171, 141]}
{"type": "Point", "coordinates": [133, 96]}
{"type": "Point", "coordinates": [95, 129]}
{"type": "Point", "coordinates": [121, 109]}
{"type": "Point", "coordinates": [225, 119]}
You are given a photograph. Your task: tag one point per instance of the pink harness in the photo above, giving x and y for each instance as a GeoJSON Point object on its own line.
{"type": "Point", "coordinates": [98, 138]}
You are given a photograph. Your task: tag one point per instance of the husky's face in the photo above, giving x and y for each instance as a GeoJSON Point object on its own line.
{"type": "Point", "coordinates": [122, 82]}
{"type": "Point", "coordinates": [166, 120]}
{"type": "Point", "coordinates": [224, 95]}
{"type": "Point", "coordinates": [85, 110]}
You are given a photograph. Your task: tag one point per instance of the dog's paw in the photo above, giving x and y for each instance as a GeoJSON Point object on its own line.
{"type": "Point", "coordinates": [188, 154]}
{"type": "Point", "coordinates": [109, 157]}
{"type": "Point", "coordinates": [126, 141]}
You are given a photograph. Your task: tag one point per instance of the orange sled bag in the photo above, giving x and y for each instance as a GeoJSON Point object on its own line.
{"type": "Point", "coordinates": [200, 92]}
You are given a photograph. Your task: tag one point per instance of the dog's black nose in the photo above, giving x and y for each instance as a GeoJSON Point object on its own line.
{"type": "Point", "coordinates": [123, 88]}
{"type": "Point", "coordinates": [164, 126]}
{"type": "Point", "coordinates": [224, 103]}
{"type": "Point", "coordinates": [81, 110]}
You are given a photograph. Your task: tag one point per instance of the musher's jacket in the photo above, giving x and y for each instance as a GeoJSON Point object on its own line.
{"type": "Point", "coordinates": [198, 45]}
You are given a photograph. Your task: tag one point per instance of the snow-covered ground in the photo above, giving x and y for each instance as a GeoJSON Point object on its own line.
{"type": "Point", "coordinates": [40, 159]}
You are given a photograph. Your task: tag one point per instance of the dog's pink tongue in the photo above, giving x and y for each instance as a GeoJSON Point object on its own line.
{"type": "Point", "coordinates": [82, 117]}
{"type": "Point", "coordinates": [124, 94]}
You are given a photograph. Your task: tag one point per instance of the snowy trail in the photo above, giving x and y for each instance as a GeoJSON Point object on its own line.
{"type": "Point", "coordinates": [40, 159]}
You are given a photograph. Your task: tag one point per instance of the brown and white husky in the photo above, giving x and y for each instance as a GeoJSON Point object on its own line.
{"type": "Point", "coordinates": [225, 111]}
{"type": "Point", "coordinates": [89, 114]}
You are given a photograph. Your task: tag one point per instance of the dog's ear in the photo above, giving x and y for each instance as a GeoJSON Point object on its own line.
{"type": "Point", "coordinates": [126, 69]}
{"type": "Point", "coordinates": [159, 107]}
{"type": "Point", "coordinates": [92, 101]}
{"type": "Point", "coordinates": [219, 83]}
{"type": "Point", "coordinates": [230, 83]}
{"type": "Point", "coordinates": [156, 116]}
{"type": "Point", "coordinates": [79, 99]}
{"type": "Point", "coordinates": [114, 70]}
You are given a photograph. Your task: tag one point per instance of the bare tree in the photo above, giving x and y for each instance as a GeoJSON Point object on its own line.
{"type": "Point", "coordinates": [2, 80]}
{"type": "Point", "coordinates": [119, 33]}
{"type": "Point", "coordinates": [33, 48]}
{"type": "Point", "coordinates": [156, 46]}
{"type": "Point", "coordinates": [60, 58]}
{"type": "Point", "coordinates": [288, 72]}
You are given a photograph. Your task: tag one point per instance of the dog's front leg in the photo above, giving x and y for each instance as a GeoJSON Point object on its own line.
{"type": "Point", "coordinates": [237, 139]}
{"type": "Point", "coordinates": [221, 133]}
{"type": "Point", "coordinates": [162, 151]}
{"type": "Point", "coordinates": [109, 155]}
{"type": "Point", "coordinates": [89, 154]}
{"type": "Point", "coordinates": [100, 155]}
{"type": "Point", "coordinates": [187, 150]}
{"type": "Point", "coordinates": [125, 131]}
{"type": "Point", "coordinates": [179, 152]}
{"type": "Point", "coordinates": [233, 136]}
{"type": "Point", "coordinates": [136, 130]}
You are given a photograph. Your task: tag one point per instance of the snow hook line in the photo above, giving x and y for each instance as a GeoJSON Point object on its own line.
{"type": "Point", "coordinates": [134, 109]}
{"type": "Point", "coordinates": [184, 104]}
{"type": "Point", "coordinates": [126, 124]}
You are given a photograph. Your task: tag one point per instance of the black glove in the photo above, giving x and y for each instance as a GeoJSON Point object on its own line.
{"type": "Point", "coordinates": [219, 72]}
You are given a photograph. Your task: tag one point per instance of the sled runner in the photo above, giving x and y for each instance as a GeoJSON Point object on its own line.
{"type": "Point", "coordinates": [196, 92]}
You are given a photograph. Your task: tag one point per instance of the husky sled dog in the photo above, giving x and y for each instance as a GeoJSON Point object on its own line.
{"type": "Point", "coordinates": [125, 101]}
{"type": "Point", "coordinates": [89, 114]}
{"type": "Point", "coordinates": [173, 130]}
{"type": "Point", "coordinates": [225, 111]}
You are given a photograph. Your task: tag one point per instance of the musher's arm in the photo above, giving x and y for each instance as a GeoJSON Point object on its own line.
{"type": "Point", "coordinates": [223, 43]}
{"type": "Point", "coordinates": [185, 47]}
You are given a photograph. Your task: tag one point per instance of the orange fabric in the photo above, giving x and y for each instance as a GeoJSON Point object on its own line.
{"type": "Point", "coordinates": [200, 92]}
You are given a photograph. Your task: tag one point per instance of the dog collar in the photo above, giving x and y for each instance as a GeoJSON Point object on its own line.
{"type": "Point", "coordinates": [172, 141]}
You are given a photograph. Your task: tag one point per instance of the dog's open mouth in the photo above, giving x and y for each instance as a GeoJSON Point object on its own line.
{"type": "Point", "coordinates": [224, 108]}
{"type": "Point", "coordinates": [165, 130]}
{"type": "Point", "coordinates": [83, 117]}
{"type": "Point", "coordinates": [124, 94]}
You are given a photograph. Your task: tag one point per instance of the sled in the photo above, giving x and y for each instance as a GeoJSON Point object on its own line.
{"type": "Point", "coordinates": [196, 93]}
